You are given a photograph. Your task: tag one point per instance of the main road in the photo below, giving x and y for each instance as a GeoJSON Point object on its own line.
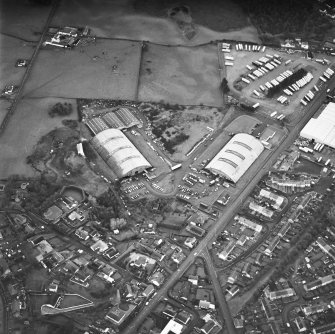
{"type": "Point", "coordinates": [18, 95]}
{"type": "Point", "coordinates": [231, 210]}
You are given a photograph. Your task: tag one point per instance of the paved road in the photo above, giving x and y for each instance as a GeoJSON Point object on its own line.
{"type": "Point", "coordinates": [232, 209]}
{"type": "Point", "coordinates": [220, 297]}
{"type": "Point", "coordinates": [5, 303]}
{"type": "Point", "coordinates": [18, 95]}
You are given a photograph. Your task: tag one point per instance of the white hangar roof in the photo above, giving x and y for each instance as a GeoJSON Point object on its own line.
{"type": "Point", "coordinates": [119, 152]}
{"type": "Point", "coordinates": [322, 129]}
{"type": "Point", "coordinates": [236, 156]}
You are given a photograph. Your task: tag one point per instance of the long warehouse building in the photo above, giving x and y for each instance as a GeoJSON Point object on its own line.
{"type": "Point", "coordinates": [322, 128]}
{"type": "Point", "coordinates": [236, 156]}
{"type": "Point", "coordinates": [119, 153]}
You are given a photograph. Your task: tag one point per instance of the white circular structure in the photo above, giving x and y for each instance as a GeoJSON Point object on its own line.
{"type": "Point", "coordinates": [236, 156]}
{"type": "Point", "coordinates": [119, 153]}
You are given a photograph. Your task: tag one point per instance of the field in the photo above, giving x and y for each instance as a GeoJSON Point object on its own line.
{"type": "Point", "coordinates": [147, 20]}
{"type": "Point", "coordinates": [87, 72]}
{"type": "Point", "coordinates": [11, 50]}
{"type": "Point", "coordinates": [27, 125]}
{"type": "Point", "coordinates": [22, 19]}
{"type": "Point", "coordinates": [180, 75]}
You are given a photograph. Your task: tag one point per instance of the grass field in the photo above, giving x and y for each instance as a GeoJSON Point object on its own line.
{"type": "Point", "coordinates": [27, 125]}
{"type": "Point", "coordinates": [147, 20]}
{"type": "Point", "coordinates": [22, 19]}
{"type": "Point", "coordinates": [87, 72]}
{"type": "Point", "coordinates": [180, 75]}
{"type": "Point", "coordinates": [12, 49]}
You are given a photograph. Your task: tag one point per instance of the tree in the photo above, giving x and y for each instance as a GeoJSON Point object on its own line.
{"type": "Point", "coordinates": [89, 151]}
{"type": "Point", "coordinates": [60, 109]}
{"type": "Point", "coordinates": [224, 86]}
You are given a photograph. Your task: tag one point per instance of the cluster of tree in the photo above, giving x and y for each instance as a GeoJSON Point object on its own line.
{"type": "Point", "coordinates": [117, 223]}
{"type": "Point", "coordinates": [224, 86]}
{"type": "Point", "coordinates": [287, 18]}
{"type": "Point", "coordinates": [107, 209]}
{"type": "Point", "coordinates": [42, 192]}
{"type": "Point", "coordinates": [89, 151]}
{"type": "Point", "coordinates": [247, 107]}
{"type": "Point", "coordinates": [70, 123]}
{"type": "Point", "coordinates": [173, 142]}
{"type": "Point", "coordinates": [60, 109]}
{"type": "Point", "coordinates": [286, 82]}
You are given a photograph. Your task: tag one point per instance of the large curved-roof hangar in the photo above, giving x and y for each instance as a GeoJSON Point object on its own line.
{"type": "Point", "coordinates": [236, 156]}
{"type": "Point", "coordinates": [119, 153]}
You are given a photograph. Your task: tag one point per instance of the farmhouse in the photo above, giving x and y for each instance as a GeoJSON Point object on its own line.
{"type": "Point", "coordinates": [119, 153]}
{"type": "Point", "coordinates": [236, 156]}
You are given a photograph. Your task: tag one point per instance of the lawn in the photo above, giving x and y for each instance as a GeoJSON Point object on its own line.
{"type": "Point", "coordinates": [23, 19]}
{"type": "Point", "coordinates": [181, 75]}
{"type": "Point", "coordinates": [27, 125]}
{"type": "Point", "coordinates": [104, 69]}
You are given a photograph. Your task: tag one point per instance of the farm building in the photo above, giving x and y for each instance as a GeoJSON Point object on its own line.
{"type": "Point", "coordinates": [322, 129]}
{"type": "Point", "coordinates": [236, 156]}
{"type": "Point", "coordinates": [119, 153]}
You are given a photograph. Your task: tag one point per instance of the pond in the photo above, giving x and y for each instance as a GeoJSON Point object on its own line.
{"type": "Point", "coordinates": [71, 300]}
{"type": "Point", "coordinates": [74, 192]}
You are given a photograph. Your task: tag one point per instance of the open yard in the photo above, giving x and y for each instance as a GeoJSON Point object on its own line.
{"type": "Point", "coordinates": [27, 125]}
{"type": "Point", "coordinates": [243, 124]}
{"type": "Point", "coordinates": [148, 20]}
{"type": "Point", "coordinates": [23, 18]}
{"type": "Point", "coordinates": [180, 75]}
{"type": "Point", "coordinates": [104, 69]}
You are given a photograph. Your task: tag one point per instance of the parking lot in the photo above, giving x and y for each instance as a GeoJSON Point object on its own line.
{"type": "Point", "coordinates": [242, 59]}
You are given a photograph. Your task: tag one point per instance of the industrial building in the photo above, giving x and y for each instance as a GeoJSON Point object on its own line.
{"type": "Point", "coordinates": [236, 157]}
{"type": "Point", "coordinates": [322, 128]}
{"type": "Point", "coordinates": [119, 153]}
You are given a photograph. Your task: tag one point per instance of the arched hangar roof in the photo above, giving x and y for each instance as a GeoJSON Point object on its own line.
{"type": "Point", "coordinates": [119, 152]}
{"type": "Point", "coordinates": [236, 156]}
